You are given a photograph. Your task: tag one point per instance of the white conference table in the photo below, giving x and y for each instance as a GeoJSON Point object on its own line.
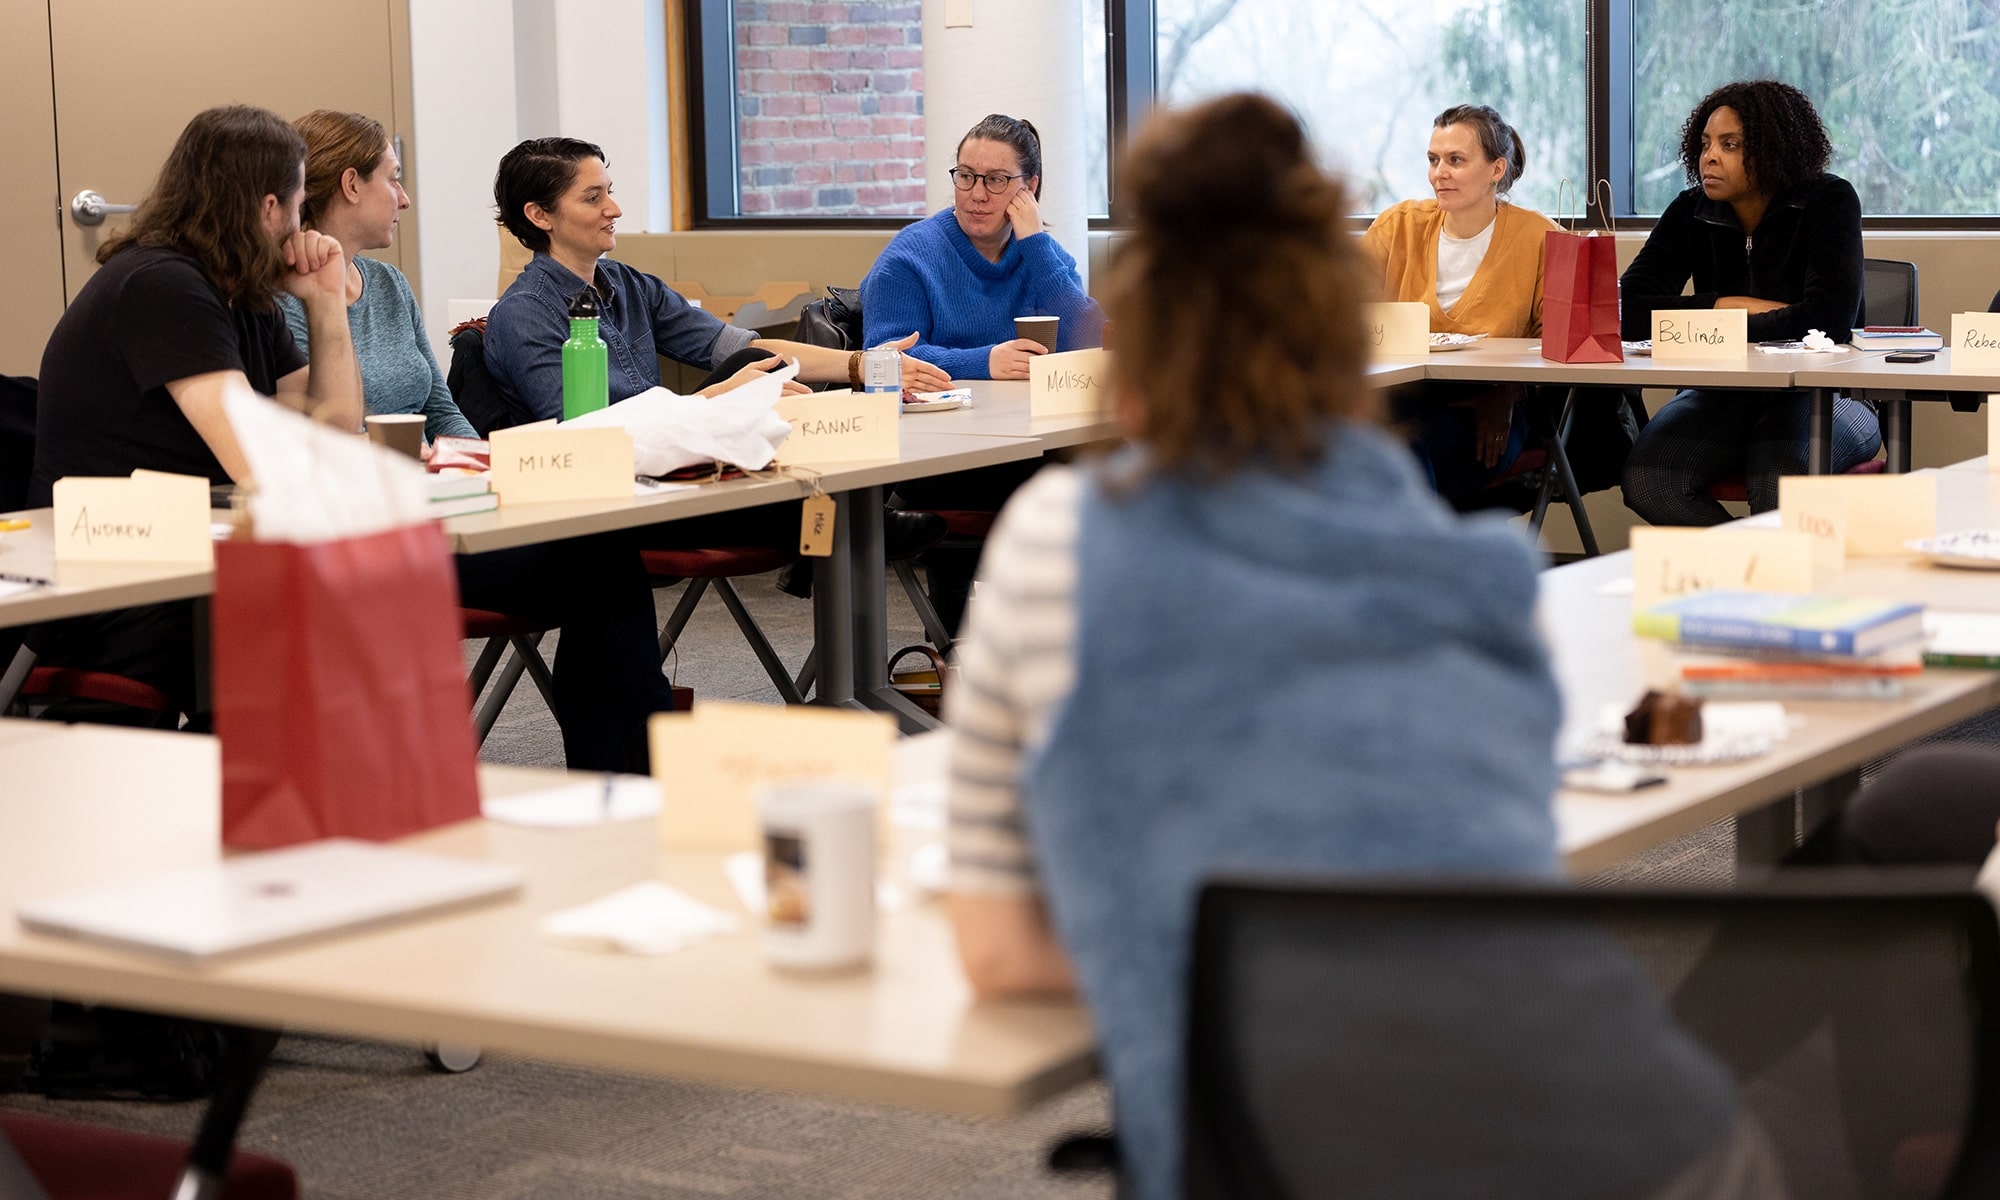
{"type": "Point", "coordinates": [1868, 376]}
{"type": "Point", "coordinates": [79, 589]}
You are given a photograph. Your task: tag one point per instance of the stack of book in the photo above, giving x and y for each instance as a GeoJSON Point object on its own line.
{"type": "Point", "coordinates": [1896, 337]}
{"type": "Point", "coordinates": [454, 493]}
{"type": "Point", "coordinates": [1765, 645]}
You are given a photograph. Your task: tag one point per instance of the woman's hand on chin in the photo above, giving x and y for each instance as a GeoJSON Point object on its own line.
{"type": "Point", "coordinates": [1025, 214]}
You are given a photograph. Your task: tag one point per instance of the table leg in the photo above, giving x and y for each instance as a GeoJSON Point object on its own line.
{"type": "Point", "coordinates": [204, 663]}
{"type": "Point", "coordinates": [245, 1052]}
{"type": "Point", "coordinates": [833, 610]}
{"type": "Point", "coordinates": [1819, 437]}
{"type": "Point", "coordinates": [1896, 434]}
{"type": "Point", "coordinates": [1766, 836]}
{"type": "Point", "coordinates": [870, 578]}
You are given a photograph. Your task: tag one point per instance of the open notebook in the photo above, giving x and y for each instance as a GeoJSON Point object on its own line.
{"type": "Point", "coordinates": [264, 899]}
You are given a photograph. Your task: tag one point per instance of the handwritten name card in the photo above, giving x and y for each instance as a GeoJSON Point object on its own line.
{"type": "Point", "coordinates": [1677, 562]}
{"type": "Point", "coordinates": [1397, 329]}
{"type": "Point", "coordinates": [710, 763]}
{"type": "Point", "coordinates": [1073, 383]}
{"type": "Point", "coordinates": [1681, 334]}
{"type": "Point", "coordinates": [1975, 340]}
{"type": "Point", "coordinates": [542, 462]}
{"type": "Point", "coordinates": [842, 426]}
{"type": "Point", "coordinates": [1859, 515]}
{"type": "Point", "coordinates": [150, 517]}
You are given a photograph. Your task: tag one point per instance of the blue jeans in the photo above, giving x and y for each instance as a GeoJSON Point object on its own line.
{"type": "Point", "coordinates": [1701, 436]}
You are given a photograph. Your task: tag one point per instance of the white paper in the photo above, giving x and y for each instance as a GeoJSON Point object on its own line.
{"type": "Point", "coordinates": [1967, 633]}
{"type": "Point", "coordinates": [670, 431]}
{"type": "Point", "coordinates": [605, 800]}
{"type": "Point", "coordinates": [646, 918]}
{"type": "Point", "coordinates": [1621, 586]}
{"type": "Point", "coordinates": [9, 587]}
{"type": "Point", "coordinates": [316, 483]}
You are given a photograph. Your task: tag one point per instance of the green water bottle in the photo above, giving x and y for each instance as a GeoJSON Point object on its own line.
{"type": "Point", "coordinates": [585, 363]}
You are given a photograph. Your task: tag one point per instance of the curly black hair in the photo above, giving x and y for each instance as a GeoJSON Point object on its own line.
{"type": "Point", "coordinates": [1783, 141]}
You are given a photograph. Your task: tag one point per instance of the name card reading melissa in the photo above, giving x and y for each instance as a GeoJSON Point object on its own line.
{"type": "Point", "coordinates": [1975, 340]}
{"type": "Point", "coordinates": [148, 518]}
{"type": "Point", "coordinates": [1680, 334]}
{"type": "Point", "coordinates": [841, 426]}
{"type": "Point", "coordinates": [1397, 329]}
{"type": "Point", "coordinates": [710, 763]}
{"type": "Point", "coordinates": [1073, 383]}
{"type": "Point", "coordinates": [543, 462]}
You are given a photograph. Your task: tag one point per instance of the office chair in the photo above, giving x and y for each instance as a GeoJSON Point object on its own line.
{"type": "Point", "coordinates": [1829, 1035]}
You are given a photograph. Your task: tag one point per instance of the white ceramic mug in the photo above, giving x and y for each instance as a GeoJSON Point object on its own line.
{"type": "Point", "coordinates": [819, 872]}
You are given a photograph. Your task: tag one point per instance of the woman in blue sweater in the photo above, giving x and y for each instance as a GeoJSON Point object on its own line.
{"type": "Point", "coordinates": [961, 277]}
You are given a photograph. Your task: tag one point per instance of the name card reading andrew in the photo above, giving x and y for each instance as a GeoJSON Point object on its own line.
{"type": "Point", "coordinates": [150, 517]}
{"type": "Point", "coordinates": [1677, 562]}
{"type": "Point", "coordinates": [710, 763]}
{"type": "Point", "coordinates": [1975, 340]}
{"type": "Point", "coordinates": [1680, 334]}
{"type": "Point", "coordinates": [840, 427]}
{"type": "Point", "coordinates": [1859, 515]}
{"type": "Point", "coordinates": [1073, 383]}
{"type": "Point", "coordinates": [533, 464]}
{"type": "Point", "coordinates": [1397, 329]}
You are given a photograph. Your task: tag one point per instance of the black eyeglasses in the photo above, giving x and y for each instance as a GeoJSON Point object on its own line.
{"type": "Point", "coordinates": [963, 179]}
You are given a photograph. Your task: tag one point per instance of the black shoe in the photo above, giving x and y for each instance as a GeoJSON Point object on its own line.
{"type": "Point", "coordinates": [796, 578]}
{"type": "Point", "coordinates": [907, 534]}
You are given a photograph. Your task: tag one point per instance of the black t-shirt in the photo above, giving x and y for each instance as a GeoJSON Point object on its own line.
{"type": "Point", "coordinates": [148, 317]}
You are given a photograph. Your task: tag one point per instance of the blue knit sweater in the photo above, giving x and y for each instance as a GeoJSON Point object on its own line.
{"type": "Point", "coordinates": [933, 280]}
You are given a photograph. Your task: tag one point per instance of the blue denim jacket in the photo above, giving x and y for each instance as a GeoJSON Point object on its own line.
{"type": "Point", "coordinates": [639, 318]}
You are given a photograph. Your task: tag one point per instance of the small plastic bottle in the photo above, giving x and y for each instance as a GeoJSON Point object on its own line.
{"type": "Point", "coordinates": [586, 372]}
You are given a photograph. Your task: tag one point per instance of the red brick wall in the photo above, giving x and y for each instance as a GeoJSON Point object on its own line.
{"type": "Point", "coordinates": [830, 107]}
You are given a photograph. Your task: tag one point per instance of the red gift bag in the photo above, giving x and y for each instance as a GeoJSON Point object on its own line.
{"type": "Point", "coordinates": [339, 689]}
{"type": "Point", "coordinates": [1580, 298]}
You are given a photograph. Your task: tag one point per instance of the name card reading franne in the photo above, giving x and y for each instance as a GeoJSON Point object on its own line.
{"type": "Point", "coordinates": [710, 763]}
{"type": "Point", "coordinates": [1397, 329]}
{"type": "Point", "coordinates": [150, 517]}
{"type": "Point", "coordinates": [1860, 515]}
{"type": "Point", "coordinates": [1069, 384]}
{"type": "Point", "coordinates": [1680, 334]}
{"type": "Point", "coordinates": [533, 464]}
{"type": "Point", "coordinates": [841, 426]}
{"type": "Point", "coordinates": [1677, 562]}
{"type": "Point", "coordinates": [1975, 340]}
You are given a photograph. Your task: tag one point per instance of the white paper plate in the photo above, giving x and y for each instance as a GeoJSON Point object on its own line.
{"type": "Point", "coordinates": [922, 406]}
{"type": "Point", "coordinates": [1709, 752]}
{"type": "Point", "coordinates": [1453, 341]}
{"type": "Point", "coordinates": [1973, 549]}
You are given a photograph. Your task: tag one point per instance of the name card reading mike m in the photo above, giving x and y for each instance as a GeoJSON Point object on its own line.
{"type": "Point", "coordinates": [840, 427]}
{"type": "Point", "coordinates": [1677, 562]}
{"type": "Point", "coordinates": [1860, 515]}
{"type": "Point", "coordinates": [1073, 383]}
{"type": "Point", "coordinates": [542, 462]}
{"type": "Point", "coordinates": [1975, 340]}
{"type": "Point", "coordinates": [1680, 334]}
{"type": "Point", "coordinates": [1397, 329]}
{"type": "Point", "coordinates": [710, 763]}
{"type": "Point", "coordinates": [152, 517]}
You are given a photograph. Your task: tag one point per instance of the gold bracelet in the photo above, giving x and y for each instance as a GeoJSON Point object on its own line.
{"type": "Point", "coordinates": [854, 370]}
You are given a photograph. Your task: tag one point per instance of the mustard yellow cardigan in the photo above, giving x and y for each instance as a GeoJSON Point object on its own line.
{"type": "Point", "coordinates": [1504, 298]}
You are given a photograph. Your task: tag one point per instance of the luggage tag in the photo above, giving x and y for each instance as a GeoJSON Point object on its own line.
{"type": "Point", "coordinates": [816, 523]}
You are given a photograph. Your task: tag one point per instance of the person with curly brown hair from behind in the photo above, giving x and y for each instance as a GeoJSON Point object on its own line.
{"type": "Point", "coordinates": [1764, 228]}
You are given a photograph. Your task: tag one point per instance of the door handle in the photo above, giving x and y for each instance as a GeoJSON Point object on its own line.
{"type": "Point", "coordinates": [89, 208]}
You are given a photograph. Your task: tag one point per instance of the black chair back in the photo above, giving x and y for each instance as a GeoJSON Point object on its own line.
{"type": "Point", "coordinates": [1812, 1038]}
{"type": "Point", "coordinates": [1888, 292]}
{"type": "Point", "coordinates": [472, 386]}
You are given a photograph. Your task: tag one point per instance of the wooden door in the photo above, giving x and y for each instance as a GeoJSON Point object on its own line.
{"type": "Point", "coordinates": [31, 296]}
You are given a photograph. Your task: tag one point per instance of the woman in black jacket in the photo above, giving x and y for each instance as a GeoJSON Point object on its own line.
{"type": "Point", "coordinates": [1767, 230]}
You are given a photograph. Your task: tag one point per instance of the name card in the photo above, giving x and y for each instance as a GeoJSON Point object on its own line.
{"type": "Point", "coordinates": [839, 427]}
{"type": "Point", "coordinates": [1860, 515]}
{"type": "Point", "coordinates": [1073, 383]}
{"type": "Point", "coordinates": [710, 763]}
{"type": "Point", "coordinates": [1975, 340]}
{"type": "Point", "coordinates": [1677, 562]}
{"type": "Point", "coordinates": [1397, 329]}
{"type": "Point", "coordinates": [148, 518]}
{"type": "Point", "coordinates": [1680, 334]}
{"type": "Point", "coordinates": [534, 464]}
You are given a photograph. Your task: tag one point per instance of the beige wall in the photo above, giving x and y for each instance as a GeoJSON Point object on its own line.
{"type": "Point", "coordinates": [30, 205]}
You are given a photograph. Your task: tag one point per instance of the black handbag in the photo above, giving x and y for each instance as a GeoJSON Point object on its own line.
{"type": "Point", "coordinates": [834, 321]}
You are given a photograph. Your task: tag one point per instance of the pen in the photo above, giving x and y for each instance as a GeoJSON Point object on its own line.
{"type": "Point", "coordinates": [14, 526]}
{"type": "Point", "coordinates": [35, 580]}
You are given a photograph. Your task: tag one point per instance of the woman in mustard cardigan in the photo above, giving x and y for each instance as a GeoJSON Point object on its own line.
{"type": "Point", "coordinates": [1477, 261]}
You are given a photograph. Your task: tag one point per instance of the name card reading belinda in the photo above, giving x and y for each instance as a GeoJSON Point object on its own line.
{"type": "Point", "coordinates": [1680, 334]}
{"type": "Point", "coordinates": [1073, 383]}
{"type": "Point", "coordinates": [710, 763]}
{"type": "Point", "coordinates": [533, 464]}
{"type": "Point", "coordinates": [1397, 329]}
{"type": "Point", "coordinates": [1975, 340]}
{"type": "Point", "coordinates": [1677, 562]}
{"type": "Point", "coordinates": [841, 426]}
{"type": "Point", "coordinates": [150, 517]}
{"type": "Point", "coordinates": [1859, 515]}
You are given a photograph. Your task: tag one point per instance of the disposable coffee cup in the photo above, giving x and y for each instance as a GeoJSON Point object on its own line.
{"type": "Point", "coordinates": [1037, 329]}
{"type": "Point", "coordinates": [402, 432]}
{"type": "Point", "coordinates": [819, 872]}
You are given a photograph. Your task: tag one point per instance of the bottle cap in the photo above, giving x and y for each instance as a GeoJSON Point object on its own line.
{"type": "Point", "coordinates": [585, 304]}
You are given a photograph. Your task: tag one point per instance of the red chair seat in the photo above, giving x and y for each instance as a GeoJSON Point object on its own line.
{"type": "Point", "coordinates": [966, 523]}
{"type": "Point", "coordinates": [482, 624]}
{"type": "Point", "coordinates": [715, 562]}
{"type": "Point", "coordinates": [68, 683]}
{"type": "Point", "coordinates": [1524, 462]}
{"type": "Point", "coordinates": [1735, 487]}
{"type": "Point", "coordinates": [87, 1162]}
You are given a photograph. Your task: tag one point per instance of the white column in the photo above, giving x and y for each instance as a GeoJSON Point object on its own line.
{"type": "Point", "coordinates": [611, 70]}
{"type": "Point", "coordinates": [1023, 58]}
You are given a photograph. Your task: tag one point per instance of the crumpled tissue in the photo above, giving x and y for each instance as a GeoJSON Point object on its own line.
{"type": "Point", "coordinates": [646, 918]}
{"type": "Point", "coordinates": [670, 431]}
{"type": "Point", "coordinates": [318, 484]}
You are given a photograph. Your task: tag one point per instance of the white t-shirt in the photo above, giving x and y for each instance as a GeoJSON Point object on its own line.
{"type": "Point", "coordinates": [1458, 258]}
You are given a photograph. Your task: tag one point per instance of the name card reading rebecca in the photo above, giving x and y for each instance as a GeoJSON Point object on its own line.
{"type": "Point", "coordinates": [1677, 562]}
{"type": "Point", "coordinates": [842, 426]}
{"type": "Point", "coordinates": [533, 464]}
{"type": "Point", "coordinates": [1397, 329]}
{"type": "Point", "coordinates": [1860, 515]}
{"type": "Point", "coordinates": [1073, 383]}
{"type": "Point", "coordinates": [151, 517]}
{"type": "Point", "coordinates": [1975, 340]}
{"type": "Point", "coordinates": [710, 763]}
{"type": "Point", "coordinates": [1680, 334]}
